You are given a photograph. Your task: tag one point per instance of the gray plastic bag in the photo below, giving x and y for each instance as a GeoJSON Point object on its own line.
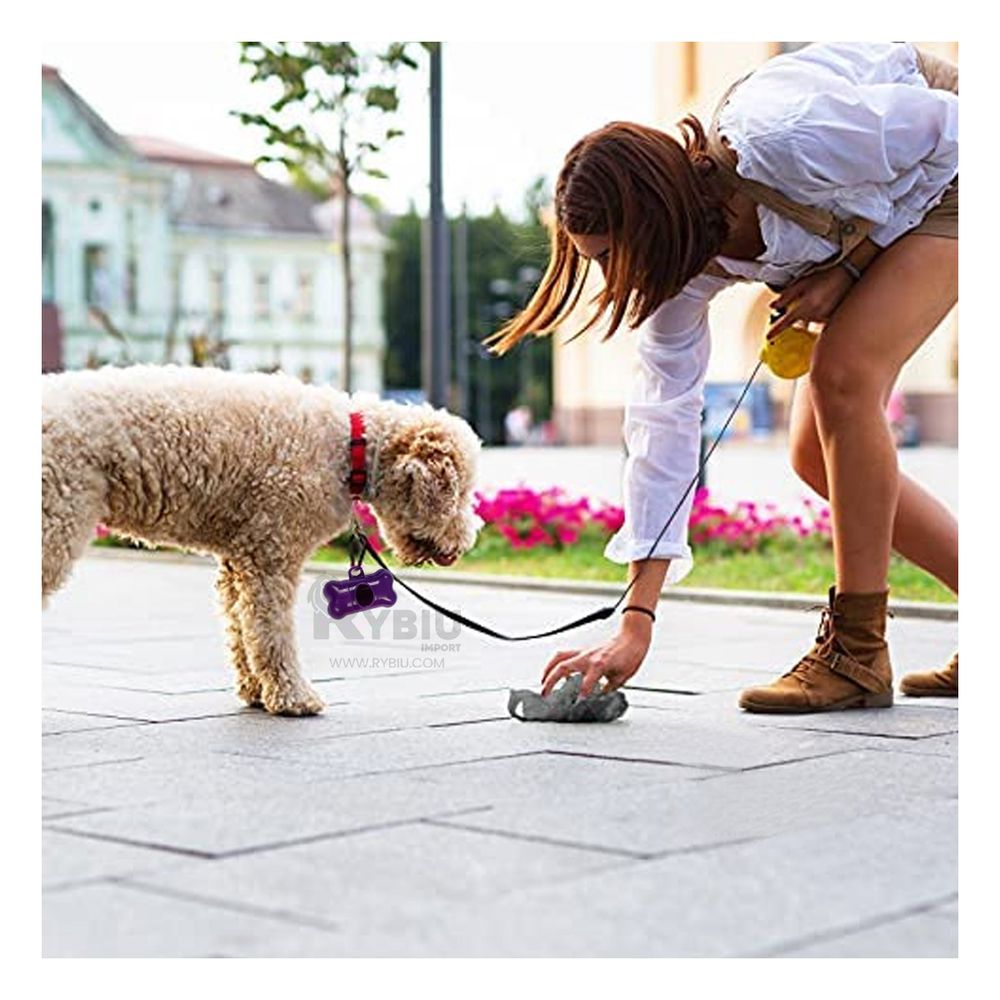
{"type": "Point", "coordinates": [561, 704]}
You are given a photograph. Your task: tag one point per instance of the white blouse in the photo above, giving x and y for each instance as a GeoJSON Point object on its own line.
{"type": "Point", "coordinates": [847, 126]}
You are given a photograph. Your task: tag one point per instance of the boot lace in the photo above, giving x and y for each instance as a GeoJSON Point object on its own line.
{"type": "Point", "coordinates": [826, 621]}
{"type": "Point", "coordinates": [824, 636]}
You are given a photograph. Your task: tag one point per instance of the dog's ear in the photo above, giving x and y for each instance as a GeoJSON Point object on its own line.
{"type": "Point", "coordinates": [430, 471]}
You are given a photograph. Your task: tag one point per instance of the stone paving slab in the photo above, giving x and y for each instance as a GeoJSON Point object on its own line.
{"type": "Point", "coordinates": [908, 719]}
{"type": "Point", "coordinates": [58, 676]}
{"type": "Point", "coordinates": [136, 922]}
{"type": "Point", "coordinates": [931, 934]}
{"type": "Point", "coordinates": [140, 706]}
{"type": "Point", "coordinates": [68, 860]}
{"type": "Point", "coordinates": [414, 817]}
{"type": "Point", "coordinates": [374, 752]}
{"type": "Point", "coordinates": [228, 824]}
{"type": "Point", "coordinates": [656, 816]}
{"type": "Point", "coordinates": [904, 723]}
{"type": "Point", "coordinates": [737, 900]}
{"type": "Point", "coordinates": [58, 722]}
{"type": "Point", "coordinates": [179, 777]}
{"type": "Point", "coordinates": [378, 884]}
{"type": "Point", "coordinates": [61, 808]}
{"type": "Point", "coordinates": [678, 736]}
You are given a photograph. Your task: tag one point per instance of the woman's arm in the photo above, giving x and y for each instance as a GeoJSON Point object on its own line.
{"type": "Point", "coordinates": [620, 657]}
{"type": "Point", "coordinates": [662, 430]}
{"type": "Point", "coordinates": [815, 297]}
{"type": "Point", "coordinates": [864, 253]}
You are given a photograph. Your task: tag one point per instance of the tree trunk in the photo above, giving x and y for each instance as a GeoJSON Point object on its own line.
{"type": "Point", "coordinates": [345, 259]}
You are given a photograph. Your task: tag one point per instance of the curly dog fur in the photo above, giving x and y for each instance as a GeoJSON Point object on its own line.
{"type": "Point", "coordinates": [252, 469]}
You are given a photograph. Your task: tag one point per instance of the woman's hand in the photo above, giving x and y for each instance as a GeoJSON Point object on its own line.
{"type": "Point", "coordinates": [615, 660]}
{"type": "Point", "coordinates": [812, 298]}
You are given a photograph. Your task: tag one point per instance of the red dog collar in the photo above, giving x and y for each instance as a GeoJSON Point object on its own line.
{"type": "Point", "coordinates": [358, 478]}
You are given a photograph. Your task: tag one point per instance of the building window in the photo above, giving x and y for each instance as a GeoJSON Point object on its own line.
{"type": "Point", "coordinates": [689, 54]}
{"type": "Point", "coordinates": [217, 293]}
{"type": "Point", "coordinates": [96, 276]}
{"type": "Point", "coordinates": [305, 299]}
{"type": "Point", "coordinates": [262, 295]}
{"type": "Point", "coordinates": [132, 285]}
{"type": "Point", "coordinates": [48, 254]}
{"type": "Point", "coordinates": [176, 268]}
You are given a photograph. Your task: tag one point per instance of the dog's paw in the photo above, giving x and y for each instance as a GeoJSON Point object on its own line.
{"type": "Point", "coordinates": [292, 699]}
{"type": "Point", "coordinates": [249, 692]}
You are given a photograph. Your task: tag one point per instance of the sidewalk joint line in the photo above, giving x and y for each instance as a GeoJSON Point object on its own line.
{"type": "Point", "coordinates": [467, 722]}
{"type": "Point", "coordinates": [455, 694]}
{"type": "Point", "coordinates": [796, 944]}
{"type": "Point", "coordinates": [783, 763]}
{"type": "Point", "coordinates": [657, 690]}
{"type": "Point", "coordinates": [641, 760]}
{"type": "Point", "coordinates": [620, 852]}
{"type": "Point", "coordinates": [190, 852]}
{"type": "Point", "coordinates": [95, 715]}
{"type": "Point", "coordinates": [852, 732]}
{"type": "Point", "coordinates": [332, 835]}
{"type": "Point", "coordinates": [96, 763]}
{"type": "Point", "coordinates": [73, 813]}
{"type": "Point", "coordinates": [284, 916]}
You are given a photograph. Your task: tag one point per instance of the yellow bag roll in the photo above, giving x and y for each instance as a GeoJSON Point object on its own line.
{"type": "Point", "coordinates": [789, 354]}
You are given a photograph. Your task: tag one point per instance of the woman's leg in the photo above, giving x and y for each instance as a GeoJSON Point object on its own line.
{"type": "Point", "coordinates": [905, 293]}
{"type": "Point", "coordinates": [924, 530]}
{"type": "Point", "coordinates": [903, 296]}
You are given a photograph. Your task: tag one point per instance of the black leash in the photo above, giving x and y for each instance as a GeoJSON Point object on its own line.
{"type": "Point", "coordinates": [602, 613]}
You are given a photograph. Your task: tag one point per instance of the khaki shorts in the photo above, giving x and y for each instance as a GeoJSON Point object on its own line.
{"type": "Point", "coordinates": [942, 219]}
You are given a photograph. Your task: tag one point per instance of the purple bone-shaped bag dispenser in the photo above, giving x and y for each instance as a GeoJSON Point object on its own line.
{"type": "Point", "coordinates": [359, 592]}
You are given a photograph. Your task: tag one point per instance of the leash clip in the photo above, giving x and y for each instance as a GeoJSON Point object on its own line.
{"type": "Point", "coordinates": [357, 544]}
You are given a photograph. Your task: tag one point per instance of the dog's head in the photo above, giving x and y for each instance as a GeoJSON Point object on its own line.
{"type": "Point", "coordinates": [426, 478]}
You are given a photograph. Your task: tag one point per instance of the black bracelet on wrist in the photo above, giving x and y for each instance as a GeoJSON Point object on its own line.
{"type": "Point", "coordinates": [637, 607]}
{"type": "Point", "coordinates": [852, 269]}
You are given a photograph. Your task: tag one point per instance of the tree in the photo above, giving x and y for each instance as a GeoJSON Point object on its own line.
{"type": "Point", "coordinates": [402, 281]}
{"type": "Point", "coordinates": [501, 254]}
{"type": "Point", "coordinates": [319, 83]}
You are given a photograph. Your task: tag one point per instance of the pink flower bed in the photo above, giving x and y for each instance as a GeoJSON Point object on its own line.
{"type": "Point", "coordinates": [529, 518]}
{"type": "Point", "coordinates": [748, 524]}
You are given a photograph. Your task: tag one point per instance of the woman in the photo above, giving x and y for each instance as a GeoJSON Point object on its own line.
{"type": "Point", "coordinates": [867, 132]}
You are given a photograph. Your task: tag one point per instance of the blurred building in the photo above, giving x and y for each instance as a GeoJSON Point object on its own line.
{"type": "Point", "coordinates": [195, 257]}
{"type": "Point", "coordinates": [591, 379]}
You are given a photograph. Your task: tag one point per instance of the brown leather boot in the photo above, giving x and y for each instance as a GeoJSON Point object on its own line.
{"type": "Point", "coordinates": [848, 667]}
{"type": "Point", "coordinates": [939, 683]}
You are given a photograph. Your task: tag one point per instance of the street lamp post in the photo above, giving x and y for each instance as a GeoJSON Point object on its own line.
{"type": "Point", "coordinates": [462, 345]}
{"type": "Point", "coordinates": [436, 337]}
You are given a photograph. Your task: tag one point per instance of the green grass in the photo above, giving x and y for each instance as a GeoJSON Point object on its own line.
{"type": "Point", "coordinates": [791, 565]}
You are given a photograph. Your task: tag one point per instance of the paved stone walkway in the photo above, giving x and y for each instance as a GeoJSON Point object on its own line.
{"type": "Point", "coordinates": [415, 818]}
{"type": "Point", "coordinates": [739, 470]}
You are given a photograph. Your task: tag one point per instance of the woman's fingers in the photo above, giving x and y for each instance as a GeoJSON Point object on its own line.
{"type": "Point", "coordinates": [590, 679]}
{"type": "Point", "coordinates": [573, 665]}
{"type": "Point", "coordinates": [787, 308]}
{"type": "Point", "coordinates": [563, 654]}
{"type": "Point", "coordinates": [786, 296]}
{"type": "Point", "coordinates": [793, 313]}
{"type": "Point", "coordinates": [615, 678]}
{"type": "Point", "coordinates": [557, 675]}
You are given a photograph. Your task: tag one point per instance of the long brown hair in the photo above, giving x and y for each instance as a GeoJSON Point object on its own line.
{"type": "Point", "coordinates": [662, 213]}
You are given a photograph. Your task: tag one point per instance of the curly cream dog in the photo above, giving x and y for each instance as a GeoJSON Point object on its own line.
{"type": "Point", "coordinates": [253, 469]}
